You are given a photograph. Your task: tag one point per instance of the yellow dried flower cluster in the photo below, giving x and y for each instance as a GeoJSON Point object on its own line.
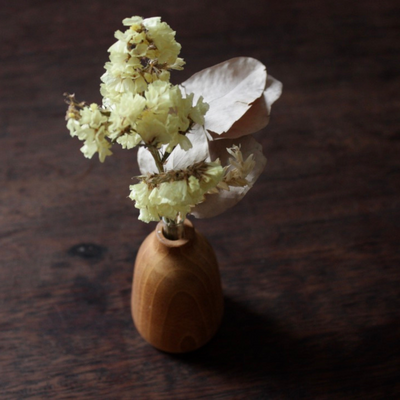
{"type": "Point", "coordinates": [176, 194]}
{"type": "Point", "coordinates": [142, 54]}
{"type": "Point", "coordinates": [89, 124]}
{"type": "Point", "coordinates": [140, 105]}
{"type": "Point", "coordinates": [160, 116]}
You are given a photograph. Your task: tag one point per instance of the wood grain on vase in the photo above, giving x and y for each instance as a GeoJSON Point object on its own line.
{"type": "Point", "coordinates": [177, 300]}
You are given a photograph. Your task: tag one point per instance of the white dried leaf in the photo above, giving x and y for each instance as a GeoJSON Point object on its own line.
{"type": "Point", "coordinates": [257, 117]}
{"type": "Point", "coordinates": [146, 162]}
{"type": "Point", "coordinates": [179, 159]}
{"type": "Point", "coordinates": [229, 88]}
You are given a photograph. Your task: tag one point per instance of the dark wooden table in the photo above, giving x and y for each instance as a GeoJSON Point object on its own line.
{"type": "Point", "coordinates": [309, 259]}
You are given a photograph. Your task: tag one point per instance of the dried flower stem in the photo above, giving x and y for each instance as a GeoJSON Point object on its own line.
{"type": "Point", "coordinates": [157, 159]}
{"type": "Point", "coordinates": [174, 229]}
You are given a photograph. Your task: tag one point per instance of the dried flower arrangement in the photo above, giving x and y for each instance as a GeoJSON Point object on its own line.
{"type": "Point", "coordinates": [195, 149]}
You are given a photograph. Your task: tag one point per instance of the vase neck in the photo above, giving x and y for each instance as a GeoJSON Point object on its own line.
{"type": "Point", "coordinates": [173, 230]}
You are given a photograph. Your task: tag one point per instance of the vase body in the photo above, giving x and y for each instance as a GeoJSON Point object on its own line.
{"type": "Point", "coordinates": [177, 300]}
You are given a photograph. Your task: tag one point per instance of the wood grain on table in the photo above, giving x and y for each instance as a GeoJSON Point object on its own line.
{"type": "Point", "coordinates": [309, 259]}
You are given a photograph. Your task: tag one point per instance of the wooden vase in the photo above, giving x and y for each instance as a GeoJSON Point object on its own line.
{"type": "Point", "coordinates": [177, 300]}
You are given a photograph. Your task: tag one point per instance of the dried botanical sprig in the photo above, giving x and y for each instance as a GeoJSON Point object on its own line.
{"type": "Point", "coordinates": [181, 131]}
{"type": "Point", "coordinates": [73, 106]}
{"type": "Point", "coordinates": [238, 169]}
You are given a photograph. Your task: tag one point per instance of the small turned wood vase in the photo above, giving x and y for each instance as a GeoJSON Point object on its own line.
{"type": "Point", "coordinates": [177, 300]}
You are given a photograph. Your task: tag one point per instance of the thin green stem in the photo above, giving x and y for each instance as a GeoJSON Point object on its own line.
{"type": "Point", "coordinates": [156, 155]}
{"type": "Point", "coordinates": [174, 229]}
{"type": "Point", "coordinates": [166, 155]}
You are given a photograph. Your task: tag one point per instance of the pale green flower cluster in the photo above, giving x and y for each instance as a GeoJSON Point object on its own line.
{"type": "Point", "coordinates": [142, 54]}
{"type": "Point", "coordinates": [159, 116]}
{"type": "Point", "coordinates": [140, 105]}
{"type": "Point", "coordinates": [171, 198]}
{"type": "Point", "coordinates": [90, 126]}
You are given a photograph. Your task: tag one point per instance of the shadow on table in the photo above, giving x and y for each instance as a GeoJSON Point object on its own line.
{"type": "Point", "coordinates": [254, 348]}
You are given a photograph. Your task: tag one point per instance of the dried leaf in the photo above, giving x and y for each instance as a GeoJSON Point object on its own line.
{"type": "Point", "coordinates": [257, 117]}
{"type": "Point", "coordinates": [229, 88]}
{"type": "Point", "coordinates": [180, 159]}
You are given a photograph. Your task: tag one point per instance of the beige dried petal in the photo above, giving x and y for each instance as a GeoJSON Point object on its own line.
{"type": "Point", "coordinates": [257, 117]}
{"type": "Point", "coordinates": [217, 203]}
{"type": "Point", "coordinates": [229, 88]}
{"type": "Point", "coordinates": [146, 162]}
